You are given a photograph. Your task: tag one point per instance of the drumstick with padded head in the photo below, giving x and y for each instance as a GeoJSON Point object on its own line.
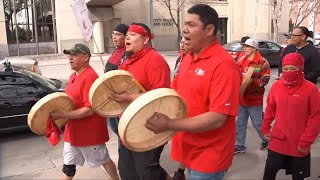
{"type": "Point", "coordinates": [246, 80]}
{"type": "Point", "coordinates": [139, 85]}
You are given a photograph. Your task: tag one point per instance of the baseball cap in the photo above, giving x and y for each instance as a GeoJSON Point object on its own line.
{"type": "Point", "coordinates": [251, 42]}
{"type": "Point", "coordinates": [122, 28]}
{"type": "Point", "coordinates": [78, 49]}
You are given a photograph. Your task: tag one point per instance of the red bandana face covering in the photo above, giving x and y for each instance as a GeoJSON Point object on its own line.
{"type": "Point", "coordinates": [293, 78]}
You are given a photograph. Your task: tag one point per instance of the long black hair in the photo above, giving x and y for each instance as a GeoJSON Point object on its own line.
{"type": "Point", "coordinates": [306, 32]}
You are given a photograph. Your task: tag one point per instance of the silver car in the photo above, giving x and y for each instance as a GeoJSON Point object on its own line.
{"type": "Point", "coordinates": [23, 63]}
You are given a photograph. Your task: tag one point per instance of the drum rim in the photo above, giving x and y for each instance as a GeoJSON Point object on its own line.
{"type": "Point", "coordinates": [123, 125]}
{"type": "Point", "coordinates": [98, 82]}
{"type": "Point", "coordinates": [36, 107]}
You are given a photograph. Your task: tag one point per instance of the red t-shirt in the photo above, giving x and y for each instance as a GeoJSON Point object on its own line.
{"type": "Point", "coordinates": [151, 70]}
{"type": "Point", "coordinates": [90, 130]}
{"type": "Point", "coordinates": [209, 83]}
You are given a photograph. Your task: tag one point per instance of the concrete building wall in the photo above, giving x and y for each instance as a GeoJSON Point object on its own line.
{"type": "Point", "coordinates": [166, 35]}
{"type": "Point", "coordinates": [245, 17]}
{"type": "Point", "coordinates": [68, 31]}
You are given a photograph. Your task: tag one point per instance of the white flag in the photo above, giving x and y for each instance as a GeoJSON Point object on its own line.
{"type": "Point", "coordinates": [81, 13]}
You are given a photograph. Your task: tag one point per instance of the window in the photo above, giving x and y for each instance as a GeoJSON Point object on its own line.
{"type": "Point", "coordinates": [263, 45]}
{"type": "Point", "coordinates": [13, 86]}
{"type": "Point", "coordinates": [24, 20]}
{"type": "Point", "coordinates": [273, 46]}
{"type": "Point", "coordinates": [11, 80]}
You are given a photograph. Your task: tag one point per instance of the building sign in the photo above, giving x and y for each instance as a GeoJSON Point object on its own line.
{"type": "Point", "coordinates": [163, 22]}
{"type": "Point", "coordinates": [80, 11]}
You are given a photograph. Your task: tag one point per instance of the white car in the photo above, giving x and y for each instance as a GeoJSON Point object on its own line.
{"type": "Point", "coordinates": [22, 62]}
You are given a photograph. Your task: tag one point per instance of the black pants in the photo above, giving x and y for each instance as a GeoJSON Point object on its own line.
{"type": "Point", "coordinates": [141, 165]}
{"type": "Point", "coordinates": [299, 167]}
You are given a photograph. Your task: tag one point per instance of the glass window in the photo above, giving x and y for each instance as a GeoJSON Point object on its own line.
{"type": "Point", "coordinates": [24, 21]}
{"type": "Point", "coordinates": [273, 46]}
{"type": "Point", "coordinates": [233, 46]}
{"type": "Point", "coordinates": [10, 79]}
{"type": "Point", "coordinates": [8, 91]}
{"type": "Point", "coordinates": [263, 45]}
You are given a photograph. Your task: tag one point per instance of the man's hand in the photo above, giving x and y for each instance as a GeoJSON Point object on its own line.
{"type": "Point", "coordinates": [302, 150]}
{"type": "Point", "coordinates": [122, 98]}
{"type": "Point", "coordinates": [267, 137]}
{"type": "Point", "coordinates": [58, 115]}
{"type": "Point", "coordinates": [158, 123]}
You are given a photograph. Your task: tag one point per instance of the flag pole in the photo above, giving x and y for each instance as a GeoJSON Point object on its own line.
{"type": "Point", "coordinates": [95, 43]}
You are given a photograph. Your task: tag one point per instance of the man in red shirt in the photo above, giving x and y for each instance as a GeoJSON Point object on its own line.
{"type": "Point", "coordinates": [209, 83]}
{"type": "Point", "coordinates": [251, 103]}
{"type": "Point", "coordinates": [242, 53]}
{"type": "Point", "coordinates": [118, 55]}
{"type": "Point", "coordinates": [85, 133]}
{"type": "Point", "coordinates": [150, 69]}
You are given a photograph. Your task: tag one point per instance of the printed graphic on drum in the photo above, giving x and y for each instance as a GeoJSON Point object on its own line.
{"type": "Point", "coordinates": [132, 130]}
{"type": "Point", "coordinates": [39, 113]}
{"type": "Point", "coordinates": [116, 81]}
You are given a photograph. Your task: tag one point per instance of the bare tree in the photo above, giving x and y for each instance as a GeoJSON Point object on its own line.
{"type": "Point", "coordinates": [301, 9]}
{"type": "Point", "coordinates": [175, 7]}
{"type": "Point", "coordinates": [276, 11]}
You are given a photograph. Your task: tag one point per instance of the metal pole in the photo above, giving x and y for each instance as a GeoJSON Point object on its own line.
{"type": "Point", "coordinates": [42, 23]}
{"type": "Point", "coordinates": [255, 20]}
{"type": "Point", "coordinates": [151, 16]}
{"type": "Point", "coordinates": [35, 24]}
{"type": "Point", "coordinates": [54, 26]}
{"type": "Point", "coordinates": [16, 24]}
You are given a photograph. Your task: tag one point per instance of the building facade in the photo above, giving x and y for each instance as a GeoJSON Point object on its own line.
{"type": "Point", "coordinates": [49, 26]}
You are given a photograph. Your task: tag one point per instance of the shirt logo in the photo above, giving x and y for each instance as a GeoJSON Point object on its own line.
{"type": "Point", "coordinates": [227, 104]}
{"type": "Point", "coordinates": [199, 72]}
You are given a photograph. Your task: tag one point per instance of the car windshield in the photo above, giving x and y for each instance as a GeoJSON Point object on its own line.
{"type": "Point", "coordinates": [233, 46]}
{"type": "Point", "coordinates": [41, 79]}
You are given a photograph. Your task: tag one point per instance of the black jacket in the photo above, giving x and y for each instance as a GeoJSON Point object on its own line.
{"type": "Point", "coordinates": [311, 61]}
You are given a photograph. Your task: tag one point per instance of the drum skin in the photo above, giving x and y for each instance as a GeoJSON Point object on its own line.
{"type": "Point", "coordinates": [132, 130]}
{"type": "Point", "coordinates": [39, 113]}
{"type": "Point", "coordinates": [115, 81]}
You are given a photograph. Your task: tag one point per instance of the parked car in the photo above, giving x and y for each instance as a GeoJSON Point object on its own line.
{"type": "Point", "coordinates": [316, 38]}
{"type": "Point", "coordinates": [20, 89]}
{"type": "Point", "coordinates": [268, 49]}
{"type": "Point", "coordinates": [22, 62]}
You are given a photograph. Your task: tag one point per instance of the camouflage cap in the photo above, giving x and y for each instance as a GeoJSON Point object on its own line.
{"type": "Point", "coordinates": [78, 48]}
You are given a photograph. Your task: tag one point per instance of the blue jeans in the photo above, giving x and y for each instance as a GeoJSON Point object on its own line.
{"type": "Point", "coordinates": [114, 123]}
{"type": "Point", "coordinates": [255, 113]}
{"type": "Point", "coordinates": [195, 175]}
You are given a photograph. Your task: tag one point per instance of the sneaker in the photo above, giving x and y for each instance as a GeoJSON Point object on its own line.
{"type": "Point", "coordinates": [264, 146]}
{"type": "Point", "coordinates": [178, 176]}
{"type": "Point", "coordinates": [236, 151]}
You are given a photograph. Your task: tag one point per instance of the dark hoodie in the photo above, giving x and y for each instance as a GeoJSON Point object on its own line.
{"type": "Point", "coordinates": [311, 61]}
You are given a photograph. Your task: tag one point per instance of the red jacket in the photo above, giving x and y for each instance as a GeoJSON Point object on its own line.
{"type": "Point", "coordinates": [253, 96]}
{"type": "Point", "coordinates": [296, 113]}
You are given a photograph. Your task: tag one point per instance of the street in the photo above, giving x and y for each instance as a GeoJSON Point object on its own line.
{"type": "Point", "coordinates": [28, 156]}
